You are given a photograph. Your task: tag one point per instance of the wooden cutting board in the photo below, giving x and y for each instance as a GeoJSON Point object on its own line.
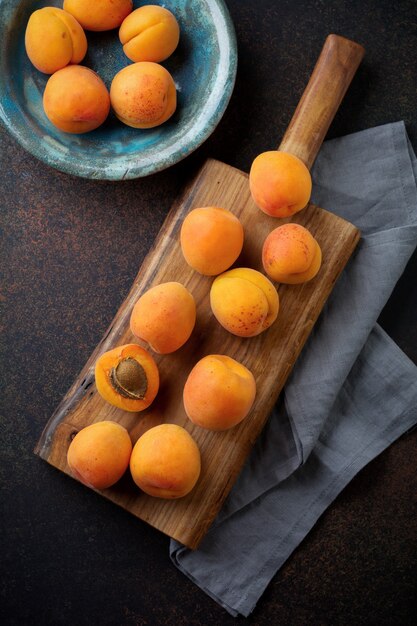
{"type": "Point", "coordinates": [270, 356]}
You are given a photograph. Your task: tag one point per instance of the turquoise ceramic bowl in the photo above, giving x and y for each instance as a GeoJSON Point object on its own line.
{"type": "Point", "coordinates": [203, 66]}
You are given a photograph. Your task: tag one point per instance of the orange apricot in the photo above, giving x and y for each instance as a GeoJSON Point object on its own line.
{"type": "Point", "coordinates": [244, 301]}
{"type": "Point", "coordinates": [127, 377]}
{"type": "Point", "coordinates": [164, 317]}
{"type": "Point", "coordinates": [99, 454]}
{"type": "Point", "coordinates": [76, 100]}
{"type": "Point", "coordinates": [219, 392]}
{"type": "Point", "coordinates": [54, 39]}
{"type": "Point", "coordinates": [211, 239]}
{"type": "Point", "coordinates": [99, 15]}
{"type": "Point", "coordinates": [290, 254]}
{"type": "Point", "coordinates": [165, 462]}
{"type": "Point", "coordinates": [150, 33]}
{"type": "Point", "coordinates": [143, 95]}
{"type": "Point", "coordinates": [280, 183]}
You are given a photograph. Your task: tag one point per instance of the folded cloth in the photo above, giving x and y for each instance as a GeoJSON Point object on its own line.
{"type": "Point", "coordinates": [352, 391]}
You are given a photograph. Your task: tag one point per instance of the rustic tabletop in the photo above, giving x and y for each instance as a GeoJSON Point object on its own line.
{"type": "Point", "coordinates": [71, 248]}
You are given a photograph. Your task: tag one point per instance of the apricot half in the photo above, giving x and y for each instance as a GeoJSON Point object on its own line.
{"type": "Point", "coordinates": [76, 100]}
{"type": "Point", "coordinates": [99, 454]}
{"type": "Point", "coordinates": [99, 15]}
{"type": "Point", "coordinates": [164, 317]}
{"type": "Point", "coordinates": [244, 301]}
{"type": "Point", "coordinates": [53, 39]}
{"type": "Point", "coordinates": [219, 392]}
{"type": "Point", "coordinates": [150, 33]}
{"type": "Point", "coordinates": [290, 254]}
{"type": "Point", "coordinates": [280, 183]}
{"type": "Point", "coordinates": [143, 95]}
{"type": "Point", "coordinates": [165, 462]}
{"type": "Point", "coordinates": [127, 377]}
{"type": "Point", "coordinates": [211, 239]}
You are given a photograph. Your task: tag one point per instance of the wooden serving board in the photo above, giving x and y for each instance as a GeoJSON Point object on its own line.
{"type": "Point", "coordinates": [270, 356]}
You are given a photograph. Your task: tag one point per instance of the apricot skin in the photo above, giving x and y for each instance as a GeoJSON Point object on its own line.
{"type": "Point", "coordinates": [211, 239]}
{"type": "Point", "coordinates": [280, 183]}
{"type": "Point", "coordinates": [291, 255]}
{"type": "Point", "coordinates": [150, 33]}
{"type": "Point", "coordinates": [76, 100]}
{"type": "Point", "coordinates": [164, 317]}
{"type": "Point", "coordinates": [54, 39]}
{"type": "Point", "coordinates": [143, 95]}
{"type": "Point", "coordinates": [165, 462]}
{"type": "Point", "coordinates": [110, 359]}
{"type": "Point", "coordinates": [99, 15]}
{"type": "Point", "coordinates": [244, 301]}
{"type": "Point", "coordinates": [99, 454]}
{"type": "Point", "coordinates": [219, 392]}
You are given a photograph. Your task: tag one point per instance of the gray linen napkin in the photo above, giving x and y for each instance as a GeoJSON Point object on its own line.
{"type": "Point", "coordinates": [352, 391]}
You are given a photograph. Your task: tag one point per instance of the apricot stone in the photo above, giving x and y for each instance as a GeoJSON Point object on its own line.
{"type": "Point", "coordinates": [76, 100]}
{"type": "Point", "coordinates": [99, 15]}
{"type": "Point", "coordinates": [280, 183]}
{"type": "Point", "coordinates": [127, 377]}
{"type": "Point", "coordinates": [54, 39]}
{"type": "Point", "coordinates": [211, 239]}
{"type": "Point", "coordinates": [219, 392]}
{"type": "Point", "coordinates": [99, 454]}
{"type": "Point", "coordinates": [150, 33]}
{"type": "Point", "coordinates": [165, 462]}
{"type": "Point", "coordinates": [290, 254]}
{"type": "Point", "coordinates": [244, 301]}
{"type": "Point", "coordinates": [164, 317]}
{"type": "Point", "coordinates": [143, 95]}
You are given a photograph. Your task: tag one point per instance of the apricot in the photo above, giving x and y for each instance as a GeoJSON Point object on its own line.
{"type": "Point", "coordinates": [244, 301]}
{"type": "Point", "coordinates": [165, 461]}
{"type": "Point", "coordinates": [99, 14]}
{"type": "Point", "coordinates": [280, 183]}
{"type": "Point", "coordinates": [164, 317]}
{"type": "Point", "coordinates": [219, 392]}
{"type": "Point", "coordinates": [143, 95]}
{"type": "Point", "coordinates": [211, 239]}
{"type": "Point", "coordinates": [150, 33]}
{"type": "Point", "coordinates": [54, 39]}
{"type": "Point", "coordinates": [127, 377]}
{"type": "Point", "coordinates": [290, 254]}
{"type": "Point", "coordinates": [76, 100]}
{"type": "Point", "coordinates": [99, 454]}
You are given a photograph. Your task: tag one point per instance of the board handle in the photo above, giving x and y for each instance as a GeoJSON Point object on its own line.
{"type": "Point", "coordinates": [332, 75]}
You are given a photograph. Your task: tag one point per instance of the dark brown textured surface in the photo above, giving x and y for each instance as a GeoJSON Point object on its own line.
{"type": "Point", "coordinates": [70, 250]}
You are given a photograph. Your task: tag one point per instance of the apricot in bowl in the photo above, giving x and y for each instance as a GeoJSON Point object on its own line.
{"type": "Point", "coordinates": [165, 462]}
{"type": "Point", "coordinates": [127, 377]}
{"type": "Point", "coordinates": [150, 33]}
{"type": "Point", "coordinates": [99, 454]}
{"type": "Point", "coordinates": [99, 15]}
{"type": "Point", "coordinates": [291, 254]}
{"type": "Point", "coordinates": [54, 39]}
{"type": "Point", "coordinates": [219, 392]}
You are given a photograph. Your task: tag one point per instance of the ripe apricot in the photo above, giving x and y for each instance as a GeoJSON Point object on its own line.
{"type": "Point", "coordinates": [280, 183]}
{"type": "Point", "coordinates": [211, 239]}
{"type": "Point", "coordinates": [76, 100]}
{"type": "Point", "coordinates": [143, 95]}
{"type": "Point", "coordinates": [53, 39]}
{"type": "Point", "coordinates": [219, 392]}
{"type": "Point", "coordinates": [290, 254]}
{"type": "Point", "coordinates": [127, 377]}
{"type": "Point", "coordinates": [99, 454]}
{"type": "Point", "coordinates": [165, 461]}
{"type": "Point", "coordinates": [99, 14]}
{"type": "Point", "coordinates": [244, 301]}
{"type": "Point", "coordinates": [164, 317]}
{"type": "Point", "coordinates": [150, 33]}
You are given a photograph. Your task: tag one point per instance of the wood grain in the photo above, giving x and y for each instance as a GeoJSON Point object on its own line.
{"type": "Point", "coordinates": [270, 356]}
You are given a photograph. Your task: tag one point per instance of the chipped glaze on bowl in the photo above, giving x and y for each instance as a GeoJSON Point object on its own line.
{"type": "Point", "coordinates": [203, 66]}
